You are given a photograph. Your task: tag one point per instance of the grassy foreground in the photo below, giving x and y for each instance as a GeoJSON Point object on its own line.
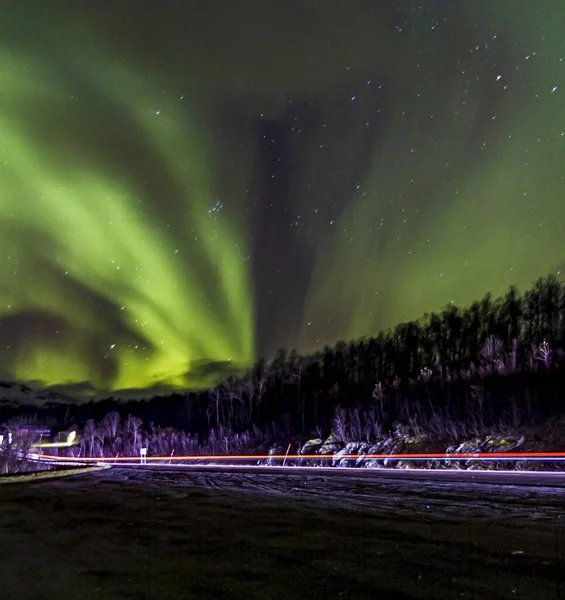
{"type": "Point", "coordinates": [123, 534]}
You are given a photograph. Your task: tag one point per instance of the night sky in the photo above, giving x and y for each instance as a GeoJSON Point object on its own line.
{"type": "Point", "coordinates": [186, 186]}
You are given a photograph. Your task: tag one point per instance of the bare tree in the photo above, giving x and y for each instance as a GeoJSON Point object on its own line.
{"type": "Point", "coordinates": [354, 425]}
{"type": "Point", "coordinates": [425, 375]}
{"type": "Point", "coordinates": [543, 353]}
{"type": "Point", "coordinates": [379, 397]}
{"type": "Point", "coordinates": [240, 410]}
{"type": "Point", "coordinates": [111, 425]}
{"type": "Point", "coordinates": [88, 438]}
{"type": "Point", "coordinates": [513, 356]}
{"type": "Point", "coordinates": [492, 350]}
{"type": "Point", "coordinates": [255, 386]}
{"type": "Point", "coordinates": [133, 433]}
{"type": "Point", "coordinates": [340, 425]}
{"type": "Point", "coordinates": [100, 441]}
{"type": "Point", "coordinates": [13, 458]}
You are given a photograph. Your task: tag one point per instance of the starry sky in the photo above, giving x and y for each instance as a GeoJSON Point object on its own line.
{"type": "Point", "coordinates": [186, 186]}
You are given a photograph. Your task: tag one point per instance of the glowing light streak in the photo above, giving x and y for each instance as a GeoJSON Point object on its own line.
{"type": "Point", "coordinates": [72, 440]}
{"type": "Point", "coordinates": [474, 456]}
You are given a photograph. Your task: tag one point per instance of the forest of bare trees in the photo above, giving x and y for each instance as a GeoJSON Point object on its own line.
{"type": "Point", "coordinates": [113, 436]}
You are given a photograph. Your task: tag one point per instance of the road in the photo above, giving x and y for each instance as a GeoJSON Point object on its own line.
{"type": "Point", "coordinates": [546, 479]}
{"type": "Point", "coordinates": [248, 532]}
{"type": "Point", "coordinates": [229, 464]}
{"type": "Point", "coordinates": [445, 494]}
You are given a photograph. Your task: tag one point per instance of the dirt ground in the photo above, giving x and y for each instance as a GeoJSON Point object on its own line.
{"type": "Point", "coordinates": [120, 534]}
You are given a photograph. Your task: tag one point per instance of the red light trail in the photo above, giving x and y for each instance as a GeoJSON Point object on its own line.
{"type": "Point", "coordinates": [477, 456]}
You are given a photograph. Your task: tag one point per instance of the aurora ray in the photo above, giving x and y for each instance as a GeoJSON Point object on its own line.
{"type": "Point", "coordinates": [112, 300]}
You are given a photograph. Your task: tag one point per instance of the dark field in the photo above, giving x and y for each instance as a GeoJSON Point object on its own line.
{"type": "Point", "coordinates": [121, 534]}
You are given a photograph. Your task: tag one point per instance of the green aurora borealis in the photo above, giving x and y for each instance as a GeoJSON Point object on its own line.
{"type": "Point", "coordinates": [186, 186]}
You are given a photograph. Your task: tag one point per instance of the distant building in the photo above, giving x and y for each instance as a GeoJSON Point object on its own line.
{"type": "Point", "coordinates": [39, 430]}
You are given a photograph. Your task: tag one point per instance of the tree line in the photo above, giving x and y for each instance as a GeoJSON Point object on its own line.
{"type": "Point", "coordinates": [496, 362]}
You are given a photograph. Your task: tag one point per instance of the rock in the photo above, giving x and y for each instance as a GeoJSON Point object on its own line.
{"type": "Point", "coordinates": [467, 447]}
{"type": "Point", "coordinates": [311, 446]}
{"type": "Point", "coordinates": [363, 450]}
{"type": "Point", "coordinates": [392, 446]}
{"type": "Point", "coordinates": [397, 447]}
{"type": "Point", "coordinates": [519, 443]}
{"type": "Point", "coordinates": [384, 446]}
{"type": "Point", "coordinates": [373, 463]}
{"type": "Point", "coordinates": [274, 462]}
{"type": "Point", "coordinates": [331, 446]}
{"type": "Point", "coordinates": [402, 464]}
{"type": "Point", "coordinates": [350, 448]}
{"type": "Point", "coordinates": [375, 448]}
{"type": "Point", "coordinates": [502, 443]}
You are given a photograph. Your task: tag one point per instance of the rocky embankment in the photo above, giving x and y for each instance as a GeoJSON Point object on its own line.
{"type": "Point", "coordinates": [550, 437]}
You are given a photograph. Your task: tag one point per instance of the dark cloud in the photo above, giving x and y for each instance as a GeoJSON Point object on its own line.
{"type": "Point", "coordinates": [212, 370]}
{"type": "Point", "coordinates": [27, 330]}
{"type": "Point", "coordinates": [83, 390]}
